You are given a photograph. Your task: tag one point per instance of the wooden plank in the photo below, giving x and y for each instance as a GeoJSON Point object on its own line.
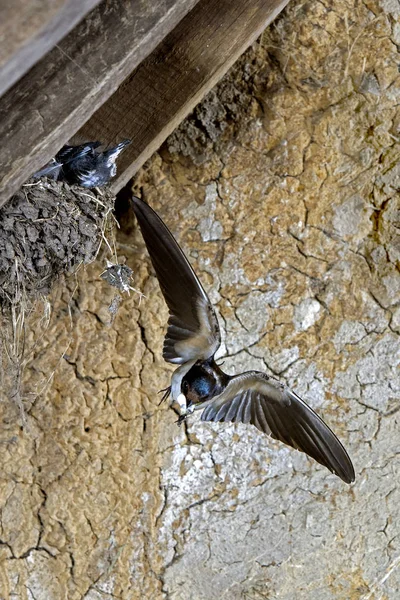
{"type": "Point", "coordinates": [174, 78]}
{"type": "Point", "coordinates": [30, 29]}
{"type": "Point", "coordinates": [49, 104]}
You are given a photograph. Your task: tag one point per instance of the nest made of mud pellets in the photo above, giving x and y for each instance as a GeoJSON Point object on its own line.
{"type": "Point", "coordinates": [46, 229]}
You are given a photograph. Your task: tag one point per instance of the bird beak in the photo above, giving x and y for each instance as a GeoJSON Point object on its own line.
{"type": "Point", "coordinates": [113, 154]}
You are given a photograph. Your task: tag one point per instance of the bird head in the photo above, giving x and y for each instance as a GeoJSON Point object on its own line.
{"type": "Point", "coordinates": [199, 384]}
{"type": "Point", "coordinates": [112, 154]}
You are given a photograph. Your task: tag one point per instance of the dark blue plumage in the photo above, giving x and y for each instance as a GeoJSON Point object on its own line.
{"type": "Point", "coordinates": [83, 165]}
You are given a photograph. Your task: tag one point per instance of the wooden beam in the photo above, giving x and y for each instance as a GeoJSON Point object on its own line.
{"type": "Point", "coordinates": [51, 102]}
{"type": "Point", "coordinates": [28, 30]}
{"type": "Point", "coordinates": [173, 79]}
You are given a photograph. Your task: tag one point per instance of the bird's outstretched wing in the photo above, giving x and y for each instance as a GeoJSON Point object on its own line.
{"type": "Point", "coordinates": [193, 331]}
{"type": "Point", "coordinates": [64, 156]}
{"type": "Point", "coordinates": [277, 411]}
{"type": "Point", "coordinates": [68, 154]}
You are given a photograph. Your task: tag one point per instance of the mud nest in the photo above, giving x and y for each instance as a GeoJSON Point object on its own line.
{"type": "Point", "coordinates": [47, 229]}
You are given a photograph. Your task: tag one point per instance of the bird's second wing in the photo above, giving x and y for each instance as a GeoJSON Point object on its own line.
{"type": "Point", "coordinates": [279, 412]}
{"type": "Point", "coordinates": [70, 153]}
{"type": "Point", "coordinates": [64, 156]}
{"type": "Point", "coordinates": [193, 331]}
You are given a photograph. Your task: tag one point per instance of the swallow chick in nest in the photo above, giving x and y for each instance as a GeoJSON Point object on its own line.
{"type": "Point", "coordinates": [191, 341]}
{"type": "Point", "coordinates": [83, 165]}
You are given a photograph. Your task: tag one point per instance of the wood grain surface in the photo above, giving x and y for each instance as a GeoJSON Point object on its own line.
{"type": "Point", "coordinates": [173, 79]}
{"type": "Point", "coordinates": [61, 92]}
{"type": "Point", "coordinates": [30, 29]}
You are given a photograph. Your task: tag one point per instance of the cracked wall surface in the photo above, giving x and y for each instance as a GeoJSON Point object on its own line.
{"type": "Point", "coordinates": [283, 189]}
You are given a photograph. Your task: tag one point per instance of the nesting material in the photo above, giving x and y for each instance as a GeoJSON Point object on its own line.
{"type": "Point", "coordinates": [118, 276]}
{"type": "Point", "coordinates": [48, 228]}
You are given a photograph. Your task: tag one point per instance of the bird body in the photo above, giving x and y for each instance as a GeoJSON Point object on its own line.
{"type": "Point", "coordinates": [192, 339]}
{"type": "Point", "coordinates": [83, 165]}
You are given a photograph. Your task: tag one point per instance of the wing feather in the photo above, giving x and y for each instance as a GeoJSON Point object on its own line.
{"type": "Point", "coordinates": [193, 331]}
{"type": "Point", "coordinates": [52, 170]}
{"type": "Point", "coordinates": [233, 409]}
{"type": "Point", "coordinates": [70, 153]}
{"type": "Point", "coordinates": [278, 429]}
{"type": "Point", "coordinates": [66, 155]}
{"type": "Point", "coordinates": [279, 412]}
{"type": "Point", "coordinates": [243, 413]}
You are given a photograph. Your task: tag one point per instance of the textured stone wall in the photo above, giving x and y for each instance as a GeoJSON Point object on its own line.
{"type": "Point", "coordinates": [283, 189]}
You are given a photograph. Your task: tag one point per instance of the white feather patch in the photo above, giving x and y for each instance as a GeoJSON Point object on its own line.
{"type": "Point", "coordinates": [181, 400]}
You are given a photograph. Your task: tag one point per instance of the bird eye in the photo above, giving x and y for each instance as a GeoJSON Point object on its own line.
{"type": "Point", "coordinates": [185, 387]}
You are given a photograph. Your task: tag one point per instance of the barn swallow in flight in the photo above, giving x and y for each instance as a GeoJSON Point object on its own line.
{"type": "Point", "coordinates": [83, 165]}
{"type": "Point", "coordinates": [192, 339]}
